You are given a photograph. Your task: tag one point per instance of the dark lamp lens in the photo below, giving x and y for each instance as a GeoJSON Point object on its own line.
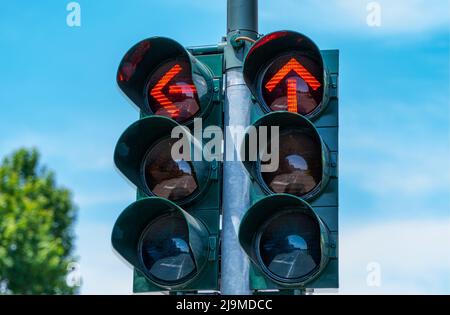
{"type": "Point", "coordinates": [167, 178]}
{"type": "Point", "coordinates": [300, 165]}
{"type": "Point", "coordinates": [289, 245]}
{"type": "Point", "coordinates": [165, 249]}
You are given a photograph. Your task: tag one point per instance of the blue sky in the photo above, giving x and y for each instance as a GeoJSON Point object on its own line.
{"type": "Point", "coordinates": [58, 93]}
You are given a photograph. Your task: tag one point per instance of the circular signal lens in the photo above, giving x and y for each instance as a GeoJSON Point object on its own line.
{"type": "Point", "coordinates": [165, 177]}
{"type": "Point", "coordinates": [300, 164]}
{"type": "Point", "coordinates": [173, 91]}
{"type": "Point", "coordinates": [165, 250]}
{"type": "Point", "coordinates": [293, 83]}
{"type": "Point", "coordinates": [289, 245]}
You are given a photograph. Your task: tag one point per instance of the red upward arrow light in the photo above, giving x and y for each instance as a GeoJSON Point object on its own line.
{"type": "Point", "coordinates": [301, 71]}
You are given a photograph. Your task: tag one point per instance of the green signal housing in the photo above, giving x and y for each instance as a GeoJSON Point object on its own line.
{"type": "Point", "coordinates": [295, 88]}
{"type": "Point", "coordinates": [170, 235]}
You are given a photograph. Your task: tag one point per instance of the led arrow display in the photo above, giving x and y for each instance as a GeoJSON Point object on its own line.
{"type": "Point", "coordinates": [179, 88]}
{"type": "Point", "coordinates": [157, 93]}
{"type": "Point", "coordinates": [301, 71]}
{"type": "Point", "coordinates": [292, 82]}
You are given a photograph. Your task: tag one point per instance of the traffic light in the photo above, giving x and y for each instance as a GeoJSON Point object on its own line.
{"type": "Point", "coordinates": [170, 235]}
{"type": "Point", "coordinates": [290, 233]}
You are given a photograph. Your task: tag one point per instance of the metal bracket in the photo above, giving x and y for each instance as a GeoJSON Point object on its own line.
{"type": "Point", "coordinates": [216, 91]}
{"type": "Point", "coordinates": [334, 85]}
{"type": "Point", "coordinates": [214, 170]}
{"type": "Point", "coordinates": [212, 248]}
{"type": "Point", "coordinates": [334, 172]}
{"type": "Point", "coordinates": [333, 250]}
{"type": "Point", "coordinates": [236, 51]}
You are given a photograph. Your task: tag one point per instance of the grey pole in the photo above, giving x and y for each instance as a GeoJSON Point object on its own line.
{"type": "Point", "coordinates": [242, 20]}
{"type": "Point", "coordinates": [242, 15]}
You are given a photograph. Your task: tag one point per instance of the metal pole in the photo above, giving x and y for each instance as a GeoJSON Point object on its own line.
{"type": "Point", "coordinates": [242, 19]}
{"type": "Point", "coordinates": [242, 15]}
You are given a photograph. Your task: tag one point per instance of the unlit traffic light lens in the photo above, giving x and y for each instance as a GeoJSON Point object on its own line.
{"type": "Point", "coordinates": [165, 177]}
{"type": "Point", "coordinates": [300, 164]}
{"type": "Point", "coordinates": [293, 83]}
{"type": "Point", "coordinates": [289, 245]}
{"type": "Point", "coordinates": [165, 249]}
{"type": "Point", "coordinates": [173, 93]}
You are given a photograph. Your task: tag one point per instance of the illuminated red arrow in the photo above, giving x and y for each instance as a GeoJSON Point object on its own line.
{"type": "Point", "coordinates": [292, 95]}
{"type": "Point", "coordinates": [160, 97]}
{"type": "Point", "coordinates": [299, 69]}
{"type": "Point", "coordinates": [182, 88]}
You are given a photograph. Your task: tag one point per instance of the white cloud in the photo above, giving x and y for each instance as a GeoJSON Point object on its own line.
{"type": "Point", "coordinates": [400, 16]}
{"type": "Point", "coordinates": [414, 257]}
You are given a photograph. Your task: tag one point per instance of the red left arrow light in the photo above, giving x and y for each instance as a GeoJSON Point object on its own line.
{"type": "Point", "coordinates": [172, 92]}
{"type": "Point", "coordinates": [160, 97]}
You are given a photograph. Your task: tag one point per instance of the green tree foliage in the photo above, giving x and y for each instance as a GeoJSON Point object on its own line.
{"type": "Point", "coordinates": [36, 221]}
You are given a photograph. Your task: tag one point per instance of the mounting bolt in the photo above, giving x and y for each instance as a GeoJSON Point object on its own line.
{"type": "Point", "coordinates": [236, 43]}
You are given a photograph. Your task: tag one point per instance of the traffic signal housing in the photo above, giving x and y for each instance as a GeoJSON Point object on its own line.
{"type": "Point", "coordinates": [290, 233]}
{"type": "Point", "coordinates": [168, 246]}
{"type": "Point", "coordinates": [170, 235]}
{"type": "Point", "coordinates": [287, 240]}
{"type": "Point", "coordinates": [162, 78]}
